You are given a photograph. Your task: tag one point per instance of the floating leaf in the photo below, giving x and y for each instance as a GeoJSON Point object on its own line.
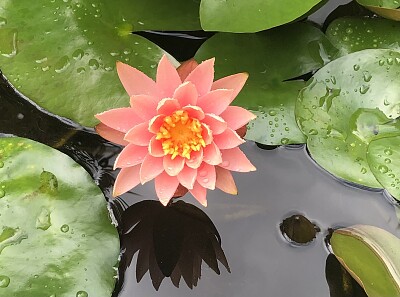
{"type": "Point", "coordinates": [271, 58]}
{"type": "Point", "coordinates": [64, 57]}
{"type": "Point", "coordinates": [384, 161]}
{"type": "Point", "coordinates": [250, 16]}
{"type": "Point", "coordinates": [386, 8]}
{"type": "Point", "coordinates": [352, 34]}
{"type": "Point", "coordinates": [56, 238]}
{"type": "Point", "coordinates": [372, 256]}
{"type": "Point", "coordinates": [343, 107]}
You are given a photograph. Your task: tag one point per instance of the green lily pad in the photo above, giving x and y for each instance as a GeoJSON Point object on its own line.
{"type": "Point", "coordinates": [386, 8]}
{"type": "Point", "coordinates": [244, 16]}
{"type": "Point", "coordinates": [384, 161]}
{"type": "Point", "coordinates": [56, 237]}
{"type": "Point", "coordinates": [372, 256]}
{"type": "Point", "coordinates": [271, 58]}
{"type": "Point", "coordinates": [62, 54]}
{"type": "Point", "coordinates": [344, 106]}
{"type": "Point", "coordinates": [352, 34]}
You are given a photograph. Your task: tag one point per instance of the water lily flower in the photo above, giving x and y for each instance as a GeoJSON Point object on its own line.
{"type": "Point", "coordinates": [178, 130]}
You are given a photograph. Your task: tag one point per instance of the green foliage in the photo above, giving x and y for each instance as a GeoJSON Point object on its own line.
{"type": "Point", "coordinates": [271, 58]}
{"type": "Point", "coordinates": [372, 256]}
{"type": "Point", "coordinates": [56, 238]}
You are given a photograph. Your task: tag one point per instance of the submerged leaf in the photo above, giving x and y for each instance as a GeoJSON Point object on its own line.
{"type": "Point", "coordinates": [372, 256]}
{"type": "Point", "coordinates": [56, 235]}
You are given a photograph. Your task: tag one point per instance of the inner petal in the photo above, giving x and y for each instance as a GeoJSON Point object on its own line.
{"type": "Point", "coordinates": [181, 134]}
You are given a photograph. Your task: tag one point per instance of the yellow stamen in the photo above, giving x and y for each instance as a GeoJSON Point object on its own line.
{"type": "Point", "coordinates": [180, 135]}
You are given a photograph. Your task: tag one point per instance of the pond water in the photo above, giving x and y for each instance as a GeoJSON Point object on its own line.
{"type": "Point", "coordinates": [262, 261]}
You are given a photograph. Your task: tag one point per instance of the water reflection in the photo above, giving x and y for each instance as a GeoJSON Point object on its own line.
{"type": "Point", "coordinates": [169, 241]}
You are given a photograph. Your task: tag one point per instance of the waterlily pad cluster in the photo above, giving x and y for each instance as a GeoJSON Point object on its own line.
{"type": "Point", "coordinates": [56, 237]}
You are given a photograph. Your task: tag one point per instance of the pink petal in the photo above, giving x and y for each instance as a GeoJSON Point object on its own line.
{"type": "Point", "coordinates": [236, 116]}
{"type": "Point", "coordinates": [111, 134]}
{"type": "Point", "coordinates": [228, 139]}
{"type": "Point", "coordinates": [206, 134]}
{"type": "Point", "coordinates": [225, 181]}
{"type": "Point", "coordinates": [194, 112]}
{"type": "Point", "coordinates": [186, 94]}
{"type": "Point", "coordinates": [139, 134]}
{"type": "Point", "coordinates": [215, 123]}
{"type": "Point", "coordinates": [215, 101]}
{"type": "Point", "coordinates": [186, 67]}
{"type": "Point", "coordinates": [121, 119]}
{"type": "Point", "coordinates": [167, 78]}
{"type": "Point", "coordinates": [187, 177]}
{"type": "Point", "coordinates": [234, 82]}
{"type": "Point", "coordinates": [173, 166]}
{"type": "Point", "coordinates": [212, 154]}
{"type": "Point", "coordinates": [145, 106]}
{"type": "Point", "coordinates": [127, 179]}
{"type": "Point", "coordinates": [131, 155]}
{"type": "Point", "coordinates": [165, 187]}
{"type": "Point", "coordinates": [202, 76]}
{"type": "Point", "coordinates": [167, 106]}
{"type": "Point", "coordinates": [156, 123]}
{"type": "Point", "coordinates": [200, 193]}
{"type": "Point", "coordinates": [235, 160]}
{"type": "Point", "coordinates": [196, 157]}
{"type": "Point", "coordinates": [136, 82]}
{"type": "Point", "coordinates": [206, 176]}
{"type": "Point", "coordinates": [155, 148]}
{"type": "Point", "coordinates": [151, 167]}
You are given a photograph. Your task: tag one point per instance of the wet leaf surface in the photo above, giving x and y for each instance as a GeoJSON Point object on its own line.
{"type": "Point", "coordinates": [343, 107]}
{"type": "Point", "coordinates": [267, 92]}
{"type": "Point", "coordinates": [386, 8]}
{"type": "Point", "coordinates": [352, 34]}
{"type": "Point", "coordinates": [67, 43]}
{"type": "Point", "coordinates": [56, 238]}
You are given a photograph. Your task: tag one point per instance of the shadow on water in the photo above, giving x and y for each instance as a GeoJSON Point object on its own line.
{"type": "Point", "coordinates": [170, 241]}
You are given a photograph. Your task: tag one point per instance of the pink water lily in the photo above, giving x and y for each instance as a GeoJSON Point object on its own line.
{"type": "Point", "coordinates": [179, 130]}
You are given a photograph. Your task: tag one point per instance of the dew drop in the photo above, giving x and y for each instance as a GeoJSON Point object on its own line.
{"type": "Point", "coordinates": [4, 281]}
{"type": "Point", "coordinates": [78, 54]}
{"type": "Point", "coordinates": [367, 76]}
{"type": "Point", "coordinates": [313, 132]}
{"type": "Point", "coordinates": [43, 220]}
{"type": "Point", "coordinates": [272, 112]}
{"type": "Point", "coordinates": [389, 61]}
{"type": "Point", "coordinates": [20, 116]}
{"type": "Point", "coordinates": [62, 64]}
{"type": "Point", "coordinates": [3, 21]}
{"type": "Point", "coordinates": [388, 161]}
{"type": "Point", "coordinates": [285, 141]}
{"type": "Point", "coordinates": [2, 193]}
{"type": "Point", "coordinates": [363, 170]}
{"type": "Point", "coordinates": [356, 67]}
{"type": "Point", "coordinates": [383, 168]}
{"type": "Point", "coordinates": [45, 68]}
{"type": "Point", "coordinates": [364, 89]}
{"type": "Point", "coordinates": [81, 70]}
{"type": "Point", "coordinates": [388, 152]}
{"type": "Point", "coordinates": [93, 64]}
{"type": "Point", "coordinates": [349, 30]}
{"type": "Point", "coordinates": [82, 294]}
{"type": "Point", "coordinates": [381, 62]}
{"type": "Point", "coordinates": [64, 228]}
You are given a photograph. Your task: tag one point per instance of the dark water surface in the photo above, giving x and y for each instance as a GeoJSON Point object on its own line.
{"type": "Point", "coordinates": [185, 240]}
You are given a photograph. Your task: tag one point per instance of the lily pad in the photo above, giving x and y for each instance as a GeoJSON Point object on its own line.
{"type": "Point", "coordinates": [352, 34]}
{"type": "Point", "coordinates": [62, 54]}
{"type": "Point", "coordinates": [343, 107]}
{"type": "Point", "coordinates": [372, 256]}
{"type": "Point", "coordinates": [271, 58]}
{"type": "Point", "coordinates": [56, 237]}
{"type": "Point", "coordinates": [384, 161]}
{"type": "Point", "coordinates": [386, 8]}
{"type": "Point", "coordinates": [243, 16]}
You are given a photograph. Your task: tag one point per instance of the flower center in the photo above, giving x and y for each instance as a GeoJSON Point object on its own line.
{"type": "Point", "coordinates": [180, 135]}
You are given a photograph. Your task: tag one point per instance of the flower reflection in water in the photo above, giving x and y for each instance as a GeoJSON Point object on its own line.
{"type": "Point", "coordinates": [170, 241]}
